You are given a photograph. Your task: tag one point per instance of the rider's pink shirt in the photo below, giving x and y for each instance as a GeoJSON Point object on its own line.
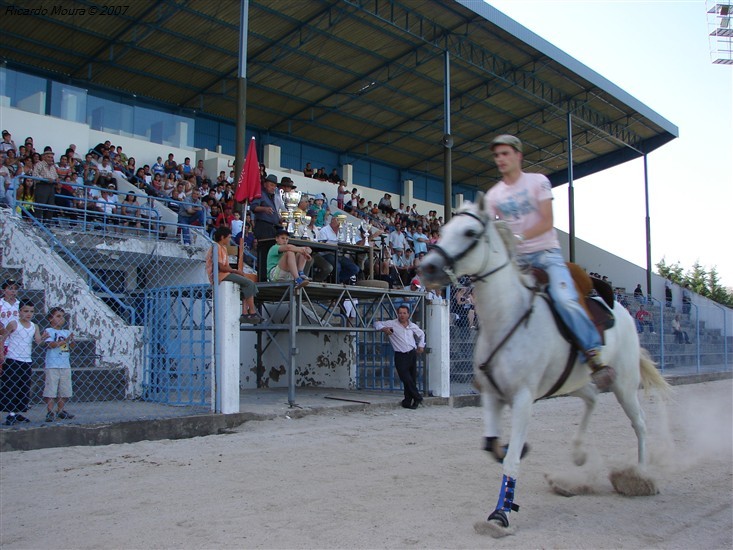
{"type": "Point", "coordinates": [518, 205]}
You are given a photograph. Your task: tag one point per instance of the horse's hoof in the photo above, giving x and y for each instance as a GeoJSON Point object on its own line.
{"type": "Point", "coordinates": [631, 482]}
{"type": "Point", "coordinates": [566, 488]}
{"type": "Point", "coordinates": [500, 516]}
{"type": "Point", "coordinates": [496, 526]}
{"type": "Point", "coordinates": [579, 457]}
{"type": "Point", "coordinates": [492, 446]}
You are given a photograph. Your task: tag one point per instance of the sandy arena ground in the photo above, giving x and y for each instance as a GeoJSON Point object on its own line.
{"type": "Point", "coordinates": [381, 479]}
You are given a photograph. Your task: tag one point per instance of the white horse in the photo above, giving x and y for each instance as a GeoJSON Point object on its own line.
{"type": "Point", "coordinates": [520, 355]}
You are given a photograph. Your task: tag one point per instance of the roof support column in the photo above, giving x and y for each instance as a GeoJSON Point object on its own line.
{"type": "Point", "coordinates": [571, 192]}
{"type": "Point", "coordinates": [648, 232]}
{"type": "Point", "coordinates": [447, 144]}
{"type": "Point", "coordinates": [241, 137]}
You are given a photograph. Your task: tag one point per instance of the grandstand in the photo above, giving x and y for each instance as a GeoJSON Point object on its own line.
{"type": "Point", "coordinates": [138, 295]}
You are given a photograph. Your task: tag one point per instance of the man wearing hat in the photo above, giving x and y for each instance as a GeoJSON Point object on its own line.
{"type": "Point", "coordinates": [286, 185]}
{"type": "Point", "coordinates": [265, 211]}
{"type": "Point", "coordinates": [524, 202]}
{"type": "Point", "coordinates": [46, 187]}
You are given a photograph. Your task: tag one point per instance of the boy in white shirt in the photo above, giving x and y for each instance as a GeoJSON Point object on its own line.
{"type": "Point", "coordinates": [59, 342]}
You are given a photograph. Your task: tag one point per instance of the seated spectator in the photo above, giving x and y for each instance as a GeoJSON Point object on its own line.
{"type": "Point", "coordinates": [7, 143]}
{"type": "Point", "coordinates": [191, 212]}
{"type": "Point", "coordinates": [158, 167]}
{"type": "Point", "coordinates": [150, 218]}
{"type": "Point", "coordinates": [169, 185]}
{"type": "Point", "coordinates": [170, 166]}
{"type": "Point", "coordinates": [334, 176]}
{"type": "Point", "coordinates": [644, 319]}
{"type": "Point", "coordinates": [285, 262]}
{"type": "Point", "coordinates": [106, 173]}
{"type": "Point", "coordinates": [321, 210]}
{"type": "Point", "coordinates": [138, 179]}
{"type": "Point", "coordinates": [186, 170]}
{"type": "Point", "coordinates": [7, 198]}
{"type": "Point", "coordinates": [308, 170]}
{"type": "Point", "coordinates": [385, 204]}
{"type": "Point", "coordinates": [346, 269]}
{"type": "Point", "coordinates": [130, 209]}
{"type": "Point", "coordinates": [321, 174]}
{"type": "Point", "coordinates": [200, 173]}
{"type": "Point", "coordinates": [248, 289]}
{"type": "Point", "coordinates": [225, 218]}
{"type": "Point", "coordinates": [680, 336]}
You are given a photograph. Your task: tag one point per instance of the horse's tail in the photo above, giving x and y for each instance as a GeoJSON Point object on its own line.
{"type": "Point", "coordinates": [651, 378]}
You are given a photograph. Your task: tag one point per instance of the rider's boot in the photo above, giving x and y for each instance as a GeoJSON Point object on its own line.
{"type": "Point", "coordinates": [602, 375]}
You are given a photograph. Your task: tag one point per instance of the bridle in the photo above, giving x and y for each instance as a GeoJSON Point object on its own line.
{"type": "Point", "coordinates": [450, 261]}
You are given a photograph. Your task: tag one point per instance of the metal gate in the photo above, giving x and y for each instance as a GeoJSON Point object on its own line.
{"type": "Point", "coordinates": [374, 354]}
{"type": "Point", "coordinates": [178, 345]}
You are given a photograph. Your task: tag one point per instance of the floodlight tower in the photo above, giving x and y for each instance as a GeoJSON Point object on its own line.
{"type": "Point", "coordinates": [720, 31]}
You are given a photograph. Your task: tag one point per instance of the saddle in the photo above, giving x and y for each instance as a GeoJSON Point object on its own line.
{"type": "Point", "coordinates": [596, 297]}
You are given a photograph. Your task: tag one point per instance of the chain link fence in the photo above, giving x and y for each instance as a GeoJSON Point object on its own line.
{"type": "Point", "coordinates": [699, 345]}
{"type": "Point", "coordinates": [133, 285]}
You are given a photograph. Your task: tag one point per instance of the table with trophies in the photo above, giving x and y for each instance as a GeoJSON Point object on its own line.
{"type": "Point", "coordinates": [296, 223]}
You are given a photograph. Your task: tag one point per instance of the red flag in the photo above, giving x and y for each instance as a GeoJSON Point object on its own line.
{"type": "Point", "coordinates": [248, 186]}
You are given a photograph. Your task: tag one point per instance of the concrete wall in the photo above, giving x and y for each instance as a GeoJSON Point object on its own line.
{"type": "Point", "coordinates": [90, 318]}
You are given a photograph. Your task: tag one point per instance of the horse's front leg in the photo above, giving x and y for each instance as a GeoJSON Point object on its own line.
{"type": "Point", "coordinates": [521, 414]}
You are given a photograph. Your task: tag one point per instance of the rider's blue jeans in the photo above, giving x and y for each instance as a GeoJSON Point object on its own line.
{"type": "Point", "coordinates": [562, 290]}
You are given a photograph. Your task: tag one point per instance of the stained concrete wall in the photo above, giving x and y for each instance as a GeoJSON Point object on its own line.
{"type": "Point", "coordinates": [119, 345]}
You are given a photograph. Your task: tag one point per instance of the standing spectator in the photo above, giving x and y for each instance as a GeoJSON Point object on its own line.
{"type": "Point", "coordinates": [9, 310]}
{"type": "Point", "coordinates": [16, 371]}
{"type": "Point", "coordinates": [237, 226]}
{"type": "Point", "coordinates": [46, 187]}
{"type": "Point", "coordinates": [59, 342]}
{"type": "Point", "coordinates": [265, 212]}
{"type": "Point", "coordinates": [407, 340]}
{"type": "Point", "coordinates": [341, 194]}
{"type": "Point", "coordinates": [248, 289]}
{"type": "Point", "coordinates": [319, 205]}
{"type": "Point", "coordinates": [639, 294]}
{"type": "Point", "coordinates": [686, 299]}
{"type": "Point", "coordinates": [668, 293]}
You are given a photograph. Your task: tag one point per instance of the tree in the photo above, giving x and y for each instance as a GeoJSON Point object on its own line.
{"type": "Point", "coordinates": [703, 282]}
{"type": "Point", "coordinates": [673, 272]}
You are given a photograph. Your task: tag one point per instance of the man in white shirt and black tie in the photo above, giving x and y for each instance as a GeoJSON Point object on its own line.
{"type": "Point", "coordinates": [408, 340]}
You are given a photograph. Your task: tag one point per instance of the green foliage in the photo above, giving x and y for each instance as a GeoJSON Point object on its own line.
{"type": "Point", "coordinates": [703, 282]}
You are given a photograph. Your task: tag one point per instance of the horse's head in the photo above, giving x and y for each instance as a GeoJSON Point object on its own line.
{"type": "Point", "coordinates": [470, 244]}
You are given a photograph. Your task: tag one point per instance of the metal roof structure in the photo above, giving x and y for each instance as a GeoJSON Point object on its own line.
{"type": "Point", "coordinates": [362, 77]}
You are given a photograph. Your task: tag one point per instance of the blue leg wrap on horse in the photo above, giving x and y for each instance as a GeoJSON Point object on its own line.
{"type": "Point", "coordinates": [506, 495]}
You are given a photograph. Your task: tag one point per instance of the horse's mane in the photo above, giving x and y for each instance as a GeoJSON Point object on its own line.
{"type": "Point", "coordinates": [507, 237]}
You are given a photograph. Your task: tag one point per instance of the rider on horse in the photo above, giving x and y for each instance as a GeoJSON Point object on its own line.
{"type": "Point", "coordinates": [523, 201]}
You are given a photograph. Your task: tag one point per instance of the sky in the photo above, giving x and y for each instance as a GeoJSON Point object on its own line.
{"type": "Point", "coordinates": [657, 51]}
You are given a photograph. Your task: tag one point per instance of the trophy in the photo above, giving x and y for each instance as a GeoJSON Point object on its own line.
{"type": "Point", "coordinates": [291, 200]}
{"type": "Point", "coordinates": [342, 237]}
